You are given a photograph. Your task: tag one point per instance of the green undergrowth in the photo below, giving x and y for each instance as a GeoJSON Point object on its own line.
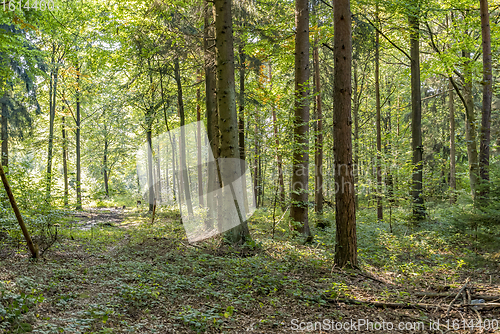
{"type": "Point", "coordinates": [141, 277]}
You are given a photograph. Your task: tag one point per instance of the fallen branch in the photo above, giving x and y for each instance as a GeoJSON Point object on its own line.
{"type": "Point", "coordinates": [456, 297]}
{"type": "Point", "coordinates": [444, 294]}
{"type": "Point", "coordinates": [382, 304]}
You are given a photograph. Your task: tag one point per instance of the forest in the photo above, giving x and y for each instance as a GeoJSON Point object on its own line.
{"type": "Point", "coordinates": [262, 166]}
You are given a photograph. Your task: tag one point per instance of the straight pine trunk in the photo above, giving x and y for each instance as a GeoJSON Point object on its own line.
{"type": "Point", "coordinates": [182, 143]}
{"type": "Point", "coordinates": [228, 117]}
{"type": "Point", "coordinates": [345, 211]}
{"type": "Point", "coordinates": [279, 160]}
{"type": "Point", "coordinates": [52, 116]}
{"type": "Point", "coordinates": [416, 123]}
{"type": "Point", "coordinates": [105, 167]}
{"type": "Point", "coordinates": [212, 116]}
{"type": "Point", "coordinates": [241, 119]}
{"type": "Point", "coordinates": [453, 182]}
{"type": "Point", "coordinates": [355, 112]}
{"type": "Point", "coordinates": [380, 214]}
{"type": "Point", "coordinates": [484, 148]}
{"type": "Point", "coordinates": [5, 132]}
{"type": "Point", "coordinates": [318, 155]}
{"type": "Point", "coordinates": [78, 153]}
{"type": "Point", "coordinates": [470, 126]}
{"type": "Point", "coordinates": [198, 143]}
{"type": "Point", "coordinates": [300, 175]}
{"type": "Point", "coordinates": [65, 160]}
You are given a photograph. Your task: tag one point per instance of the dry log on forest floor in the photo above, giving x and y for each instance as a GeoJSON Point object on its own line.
{"type": "Point", "coordinates": [445, 294]}
{"type": "Point", "coordinates": [485, 306]}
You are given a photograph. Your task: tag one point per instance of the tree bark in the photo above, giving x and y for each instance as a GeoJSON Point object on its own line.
{"type": "Point", "coordinates": [198, 144]}
{"type": "Point", "coordinates": [380, 213]}
{"type": "Point", "coordinates": [355, 112]}
{"type": "Point", "coordinates": [105, 167]}
{"type": "Point", "coordinates": [149, 119]}
{"type": "Point", "coordinates": [241, 119]}
{"type": "Point", "coordinates": [212, 116]}
{"type": "Point", "coordinates": [52, 116]}
{"type": "Point", "coordinates": [158, 173]}
{"type": "Point", "coordinates": [345, 211]}
{"type": "Point", "coordinates": [470, 126]}
{"type": "Point", "coordinates": [318, 155]}
{"type": "Point", "coordinates": [65, 160]}
{"type": "Point", "coordinates": [416, 124]}
{"type": "Point", "coordinates": [228, 117]}
{"type": "Point", "coordinates": [78, 154]}
{"type": "Point", "coordinates": [453, 182]}
{"type": "Point", "coordinates": [484, 148]}
{"type": "Point", "coordinates": [256, 161]}
{"type": "Point", "coordinates": [300, 176]}
{"type": "Point", "coordinates": [182, 144]}
{"type": "Point", "coordinates": [279, 160]}
{"type": "Point", "coordinates": [5, 132]}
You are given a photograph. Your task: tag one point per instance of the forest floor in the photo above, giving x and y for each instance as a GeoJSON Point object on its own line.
{"type": "Point", "coordinates": [112, 271]}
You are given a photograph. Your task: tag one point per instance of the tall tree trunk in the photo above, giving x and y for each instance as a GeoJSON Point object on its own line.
{"type": "Point", "coordinates": [318, 155]}
{"type": "Point", "coordinates": [105, 167]}
{"type": "Point", "coordinates": [5, 132]}
{"type": "Point", "coordinates": [65, 160]}
{"type": "Point", "coordinates": [228, 117]}
{"type": "Point", "coordinates": [256, 161]}
{"type": "Point", "coordinates": [151, 190]}
{"type": "Point", "coordinates": [212, 116]}
{"type": "Point", "coordinates": [345, 211]}
{"type": "Point", "coordinates": [484, 148]}
{"type": "Point", "coordinates": [470, 126]}
{"type": "Point", "coordinates": [52, 116]}
{"type": "Point", "coordinates": [279, 160]}
{"type": "Point", "coordinates": [182, 144]}
{"type": "Point", "coordinates": [453, 182]}
{"type": "Point", "coordinates": [241, 119]}
{"type": "Point", "coordinates": [78, 154]}
{"type": "Point", "coordinates": [416, 123]}
{"type": "Point", "coordinates": [380, 214]}
{"type": "Point", "coordinates": [355, 112]}
{"type": "Point", "coordinates": [300, 176]}
{"type": "Point", "coordinates": [388, 149]}
{"type": "Point", "coordinates": [198, 143]}
{"type": "Point", "coordinates": [149, 119]}
{"type": "Point", "coordinates": [158, 173]}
